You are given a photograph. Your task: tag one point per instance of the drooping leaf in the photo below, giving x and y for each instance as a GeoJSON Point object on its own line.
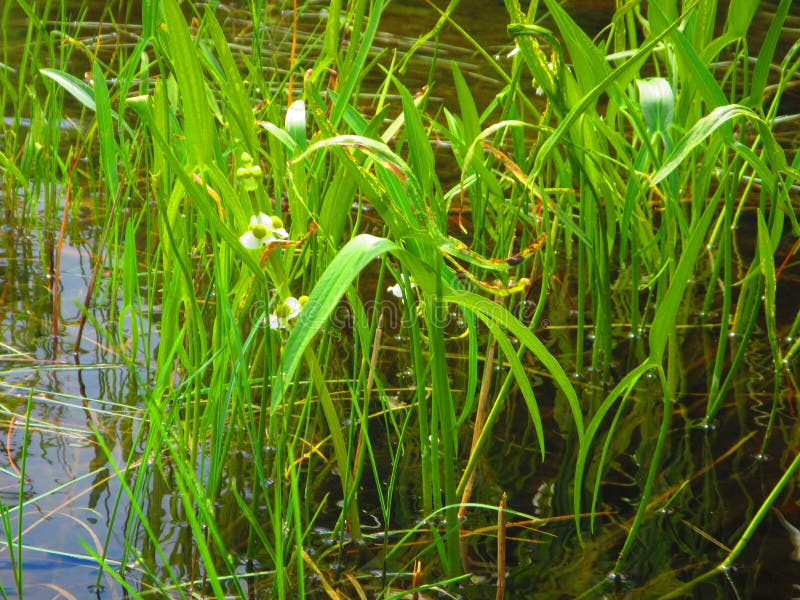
{"type": "Point", "coordinates": [77, 89]}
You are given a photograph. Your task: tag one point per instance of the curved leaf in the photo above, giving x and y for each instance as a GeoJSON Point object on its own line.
{"type": "Point", "coordinates": [325, 296]}
{"type": "Point", "coordinates": [720, 116]}
{"type": "Point", "coordinates": [77, 89]}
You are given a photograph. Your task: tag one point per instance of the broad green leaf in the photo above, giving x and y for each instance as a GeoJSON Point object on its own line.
{"type": "Point", "coordinates": [469, 112]}
{"type": "Point", "coordinates": [198, 126]}
{"type": "Point", "coordinates": [589, 63]}
{"type": "Point", "coordinates": [76, 88]}
{"type": "Point", "coordinates": [740, 15]}
{"type": "Point", "coordinates": [402, 210]}
{"type": "Point", "coordinates": [10, 167]}
{"type": "Point", "coordinates": [109, 149]}
{"type": "Point", "coordinates": [657, 102]}
{"type": "Point", "coordinates": [281, 134]}
{"type": "Point", "coordinates": [82, 92]}
{"type": "Point", "coordinates": [522, 379]}
{"type": "Point", "coordinates": [333, 29]}
{"type": "Point", "coordinates": [324, 298]}
{"type": "Point", "coordinates": [230, 83]}
{"type": "Point", "coordinates": [698, 134]}
{"type": "Point", "coordinates": [420, 153]}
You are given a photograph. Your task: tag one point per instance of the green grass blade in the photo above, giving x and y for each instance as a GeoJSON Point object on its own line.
{"type": "Point", "coordinates": [766, 55]}
{"type": "Point", "coordinates": [109, 149]}
{"type": "Point", "coordinates": [198, 125]}
{"type": "Point", "coordinates": [589, 63]}
{"type": "Point", "coordinates": [349, 84]}
{"type": "Point", "coordinates": [692, 67]}
{"type": "Point", "coordinates": [420, 153]}
{"type": "Point", "coordinates": [766, 261]}
{"type": "Point", "coordinates": [78, 89]}
{"type": "Point", "coordinates": [489, 311]}
{"type": "Point", "coordinates": [666, 312]}
{"type": "Point", "coordinates": [324, 298]}
{"type": "Point", "coordinates": [720, 117]}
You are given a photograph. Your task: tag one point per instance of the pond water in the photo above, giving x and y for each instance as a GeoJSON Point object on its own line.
{"type": "Point", "coordinates": [70, 496]}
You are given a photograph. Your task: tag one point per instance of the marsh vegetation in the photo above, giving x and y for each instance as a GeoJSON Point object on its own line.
{"type": "Point", "coordinates": [294, 305]}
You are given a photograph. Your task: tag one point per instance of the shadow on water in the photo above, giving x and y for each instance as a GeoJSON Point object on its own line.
{"type": "Point", "coordinates": [713, 476]}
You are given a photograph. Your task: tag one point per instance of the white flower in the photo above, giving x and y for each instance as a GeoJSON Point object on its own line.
{"type": "Point", "coordinates": [285, 312]}
{"type": "Point", "coordinates": [263, 230]}
{"type": "Point", "coordinates": [396, 290]}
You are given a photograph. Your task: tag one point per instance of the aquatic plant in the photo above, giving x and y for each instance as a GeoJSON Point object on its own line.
{"type": "Point", "coordinates": [558, 282]}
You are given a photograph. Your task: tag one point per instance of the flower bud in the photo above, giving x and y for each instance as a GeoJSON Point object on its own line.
{"type": "Point", "coordinates": [296, 123]}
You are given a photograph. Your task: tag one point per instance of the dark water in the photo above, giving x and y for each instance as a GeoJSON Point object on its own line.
{"type": "Point", "coordinates": [714, 484]}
